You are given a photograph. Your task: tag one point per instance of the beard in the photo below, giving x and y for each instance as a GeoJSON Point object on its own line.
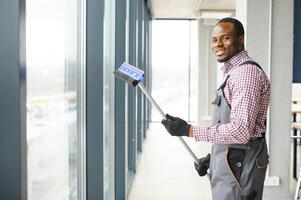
{"type": "Point", "coordinates": [224, 59]}
{"type": "Point", "coordinates": [235, 51]}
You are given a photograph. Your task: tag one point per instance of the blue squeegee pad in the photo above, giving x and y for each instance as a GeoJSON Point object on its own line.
{"type": "Point", "coordinates": [131, 71]}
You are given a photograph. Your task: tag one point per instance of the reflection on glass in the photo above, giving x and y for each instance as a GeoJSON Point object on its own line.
{"type": "Point", "coordinates": [52, 48]}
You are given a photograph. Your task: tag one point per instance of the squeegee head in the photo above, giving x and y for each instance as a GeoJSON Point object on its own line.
{"type": "Point", "coordinates": [132, 75]}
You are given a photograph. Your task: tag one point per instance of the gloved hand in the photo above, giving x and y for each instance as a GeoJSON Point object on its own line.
{"type": "Point", "coordinates": [176, 126]}
{"type": "Point", "coordinates": [202, 165]}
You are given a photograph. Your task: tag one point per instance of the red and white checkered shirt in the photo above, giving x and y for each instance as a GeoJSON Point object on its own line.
{"type": "Point", "coordinates": [248, 92]}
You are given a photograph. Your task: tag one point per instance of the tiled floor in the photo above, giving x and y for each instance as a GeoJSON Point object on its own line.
{"type": "Point", "coordinates": [166, 171]}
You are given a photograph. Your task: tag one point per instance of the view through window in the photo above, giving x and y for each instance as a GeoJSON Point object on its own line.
{"type": "Point", "coordinates": [174, 68]}
{"type": "Point", "coordinates": [54, 114]}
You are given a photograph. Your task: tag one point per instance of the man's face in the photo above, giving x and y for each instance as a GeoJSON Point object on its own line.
{"type": "Point", "coordinates": [225, 43]}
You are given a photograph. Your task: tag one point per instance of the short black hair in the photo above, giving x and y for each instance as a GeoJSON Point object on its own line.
{"type": "Point", "coordinates": [238, 27]}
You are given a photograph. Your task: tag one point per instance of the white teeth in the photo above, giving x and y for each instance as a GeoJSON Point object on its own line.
{"type": "Point", "coordinates": [219, 52]}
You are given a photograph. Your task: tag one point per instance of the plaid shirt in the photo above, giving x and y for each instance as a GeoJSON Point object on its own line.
{"type": "Point", "coordinates": [248, 92]}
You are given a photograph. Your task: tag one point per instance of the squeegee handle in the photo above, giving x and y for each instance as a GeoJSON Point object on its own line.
{"type": "Point", "coordinates": [145, 91]}
{"type": "Point", "coordinates": [188, 149]}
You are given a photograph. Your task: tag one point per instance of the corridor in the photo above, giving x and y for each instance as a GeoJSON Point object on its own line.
{"type": "Point", "coordinates": [165, 170]}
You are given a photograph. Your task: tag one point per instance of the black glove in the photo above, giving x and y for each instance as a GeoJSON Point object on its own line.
{"type": "Point", "coordinates": [202, 165]}
{"type": "Point", "coordinates": [176, 126]}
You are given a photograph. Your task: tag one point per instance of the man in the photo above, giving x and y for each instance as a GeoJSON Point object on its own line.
{"type": "Point", "coordinates": [239, 155]}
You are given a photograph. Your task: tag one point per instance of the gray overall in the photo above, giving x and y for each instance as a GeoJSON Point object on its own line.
{"type": "Point", "coordinates": [237, 171]}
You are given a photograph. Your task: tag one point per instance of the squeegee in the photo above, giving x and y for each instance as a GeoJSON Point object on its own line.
{"type": "Point", "coordinates": [134, 76]}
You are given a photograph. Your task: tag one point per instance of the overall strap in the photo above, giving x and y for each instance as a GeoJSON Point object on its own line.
{"type": "Point", "coordinates": [223, 85]}
{"type": "Point", "coordinates": [244, 63]}
{"type": "Point", "coordinates": [252, 63]}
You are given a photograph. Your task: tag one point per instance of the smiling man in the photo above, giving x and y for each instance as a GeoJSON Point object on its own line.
{"type": "Point", "coordinates": [227, 40]}
{"type": "Point", "coordinates": [239, 156]}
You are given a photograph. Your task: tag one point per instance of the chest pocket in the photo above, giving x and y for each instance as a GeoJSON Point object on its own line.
{"type": "Point", "coordinates": [217, 111]}
{"type": "Point", "coordinates": [217, 100]}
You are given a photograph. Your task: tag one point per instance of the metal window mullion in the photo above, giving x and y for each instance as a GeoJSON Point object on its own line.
{"type": "Point", "coordinates": [94, 90]}
{"type": "Point", "coordinates": [13, 154]}
{"type": "Point", "coordinates": [132, 131]}
{"type": "Point", "coordinates": [120, 103]}
{"type": "Point", "coordinates": [23, 113]}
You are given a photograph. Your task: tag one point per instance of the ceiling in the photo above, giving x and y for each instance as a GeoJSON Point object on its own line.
{"type": "Point", "coordinates": [191, 9]}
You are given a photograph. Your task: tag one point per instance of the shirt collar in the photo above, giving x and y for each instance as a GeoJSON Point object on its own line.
{"type": "Point", "coordinates": [236, 60]}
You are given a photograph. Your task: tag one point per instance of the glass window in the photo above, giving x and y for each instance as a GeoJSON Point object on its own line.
{"type": "Point", "coordinates": [55, 49]}
{"type": "Point", "coordinates": [174, 68]}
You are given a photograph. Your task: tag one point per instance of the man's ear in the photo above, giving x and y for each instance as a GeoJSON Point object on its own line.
{"type": "Point", "coordinates": [241, 39]}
